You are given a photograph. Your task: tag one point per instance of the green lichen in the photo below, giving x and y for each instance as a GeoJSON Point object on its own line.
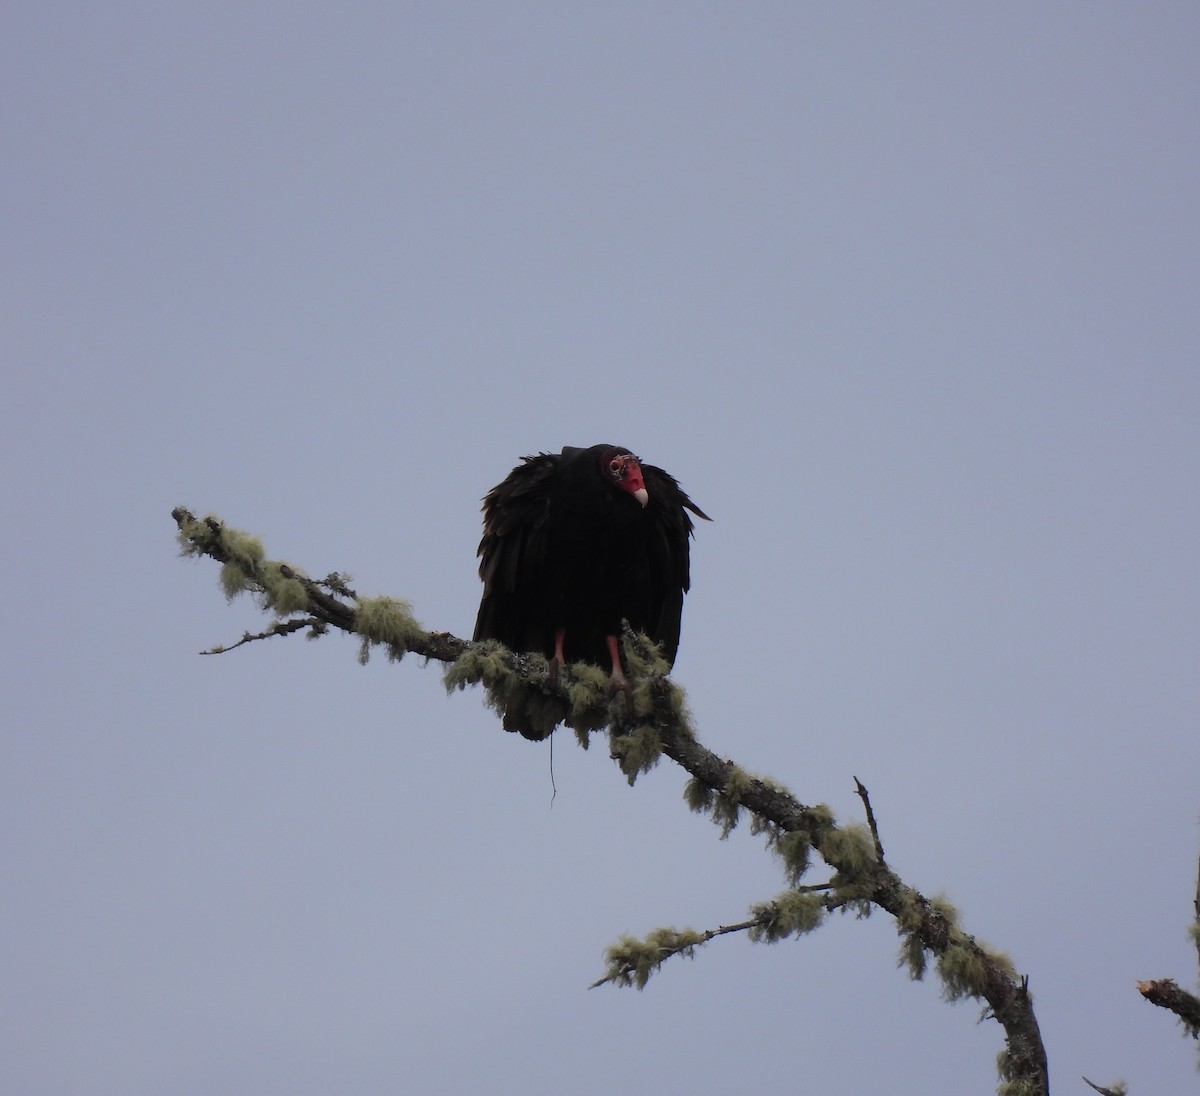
{"type": "Point", "coordinates": [726, 809]}
{"type": "Point", "coordinates": [907, 911]}
{"type": "Point", "coordinates": [485, 663]}
{"type": "Point", "coordinates": [819, 818]}
{"type": "Point", "coordinates": [793, 849]}
{"type": "Point", "coordinates": [234, 580]}
{"type": "Point", "coordinates": [387, 622]}
{"type": "Point", "coordinates": [194, 535]}
{"type": "Point", "coordinates": [242, 549]}
{"type": "Point", "coordinates": [631, 961]}
{"type": "Point", "coordinates": [850, 850]}
{"type": "Point", "coordinates": [698, 796]}
{"type": "Point", "coordinates": [588, 692]}
{"type": "Point", "coordinates": [737, 783]}
{"type": "Point", "coordinates": [913, 956]}
{"type": "Point", "coordinates": [637, 751]}
{"type": "Point", "coordinates": [944, 908]}
{"type": "Point", "coordinates": [283, 593]}
{"type": "Point", "coordinates": [1011, 1084]}
{"type": "Point", "coordinates": [641, 656]}
{"type": "Point", "coordinates": [962, 971]}
{"type": "Point", "coordinates": [792, 913]}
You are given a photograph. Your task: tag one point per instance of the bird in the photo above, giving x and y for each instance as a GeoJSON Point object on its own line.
{"type": "Point", "coordinates": [573, 544]}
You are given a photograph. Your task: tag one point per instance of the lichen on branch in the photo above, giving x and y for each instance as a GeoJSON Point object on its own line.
{"type": "Point", "coordinates": [645, 724]}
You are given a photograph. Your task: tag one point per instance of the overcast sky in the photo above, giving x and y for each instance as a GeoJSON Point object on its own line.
{"type": "Point", "coordinates": [906, 296]}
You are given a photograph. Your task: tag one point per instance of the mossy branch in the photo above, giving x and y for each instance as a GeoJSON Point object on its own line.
{"type": "Point", "coordinates": [648, 723]}
{"type": "Point", "coordinates": [285, 591]}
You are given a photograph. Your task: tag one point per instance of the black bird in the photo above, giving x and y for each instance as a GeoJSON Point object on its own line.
{"type": "Point", "coordinates": [572, 544]}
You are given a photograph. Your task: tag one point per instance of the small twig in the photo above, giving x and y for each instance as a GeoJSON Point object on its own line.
{"type": "Point", "coordinates": [280, 628]}
{"type": "Point", "coordinates": [761, 920]}
{"type": "Point", "coordinates": [336, 583]}
{"type": "Point", "coordinates": [667, 953]}
{"type": "Point", "coordinates": [862, 794]}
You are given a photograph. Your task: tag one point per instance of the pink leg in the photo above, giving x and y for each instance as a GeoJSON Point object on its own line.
{"type": "Point", "coordinates": [558, 661]}
{"type": "Point", "coordinates": [614, 652]}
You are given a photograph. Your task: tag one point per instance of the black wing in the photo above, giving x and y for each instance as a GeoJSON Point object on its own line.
{"type": "Point", "coordinates": [668, 555]}
{"type": "Point", "coordinates": [512, 556]}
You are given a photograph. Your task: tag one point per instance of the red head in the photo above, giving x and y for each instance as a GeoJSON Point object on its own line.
{"type": "Point", "coordinates": [622, 469]}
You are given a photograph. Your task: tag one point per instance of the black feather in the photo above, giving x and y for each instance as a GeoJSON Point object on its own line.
{"type": "Point", "coordinates": [565, 547]}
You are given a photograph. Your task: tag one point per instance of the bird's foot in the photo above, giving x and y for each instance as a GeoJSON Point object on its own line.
{"type": "Point", "coordinates": [620, 683]}
{"type": "Point", "coordinates": [619, 680]}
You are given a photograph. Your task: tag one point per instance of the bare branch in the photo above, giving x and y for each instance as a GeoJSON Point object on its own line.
{"type": "Point", "coordinates": [280, 628]}
{"type": "Point", "coordinates": [862, 794]}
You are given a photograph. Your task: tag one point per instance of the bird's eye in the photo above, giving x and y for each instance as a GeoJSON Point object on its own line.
{"type": "Point", "coordinates": [616, 466]}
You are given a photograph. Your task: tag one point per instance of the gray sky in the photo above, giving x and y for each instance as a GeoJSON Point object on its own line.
{"type": "Point", "coordinates": [905, 295]}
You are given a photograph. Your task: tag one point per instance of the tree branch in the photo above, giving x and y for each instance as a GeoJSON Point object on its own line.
{"type": "Point", "coordinates": [649, 723]}
{"type": "Point", "coordinates": [866, 799]}
{"type": "Point", "coordinates": [279, 628]}
{"type": "Point", "coordinates": [1165, 993]}
{"type": "Point", "coordinates": [631, 960]}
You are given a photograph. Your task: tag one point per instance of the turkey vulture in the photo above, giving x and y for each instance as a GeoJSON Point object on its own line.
{"type": "Point", "coordinates": [572, 544]}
